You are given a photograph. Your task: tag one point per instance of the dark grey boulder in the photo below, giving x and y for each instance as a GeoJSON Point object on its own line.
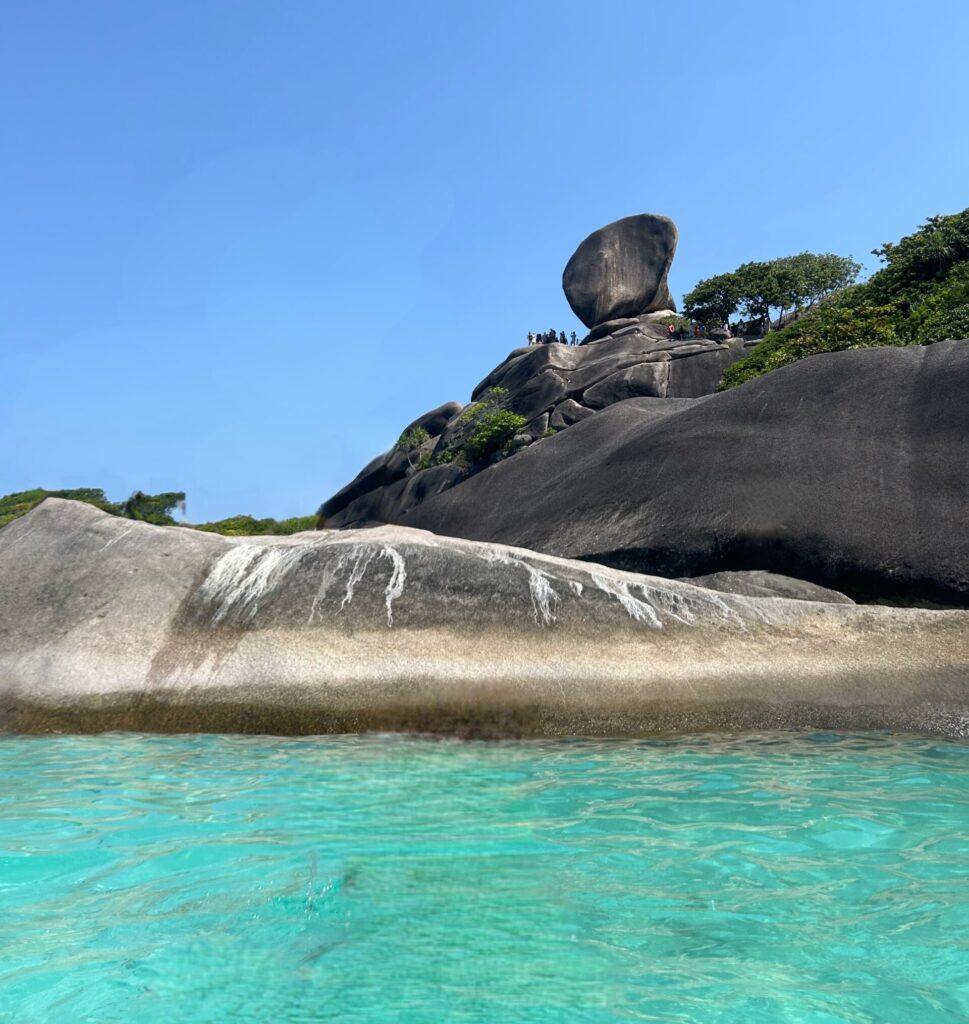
{"type": "Point", "coordinates": [535, 382]}
{"type": "Point", "coordinates": [436, 420]}
{"type": "Point", "coordinates": [567, 413]}
{"type": "Point", "coordinates": [644, 380]}
{"type": "Point", "coordinates": [620, 270]}
{"type": "Point", "coordinates": [757, 583]}
{"type": "Point", "coordinates": [699, 374]}
{"type": "Point", "coordinates": [846, 469]}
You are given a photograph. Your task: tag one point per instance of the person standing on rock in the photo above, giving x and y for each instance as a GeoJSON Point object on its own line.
{"type": "Point", "coordinates": [562, 338]}
{"type": "Point", "coordinates": [573, 340]}
{"type": "Point", "coordinates": [696, 330]}
{"type": "Point", "coordinates": [670, 331]}
{"type": "Point", "coordinates": [531, 338]}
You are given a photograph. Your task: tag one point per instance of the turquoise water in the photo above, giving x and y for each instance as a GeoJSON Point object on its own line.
{"type": "Point", "coordinates": [756, 879]}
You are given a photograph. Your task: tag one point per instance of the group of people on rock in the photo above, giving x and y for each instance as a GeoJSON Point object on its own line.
{"type": "Point", "coordinates": [551, 338]}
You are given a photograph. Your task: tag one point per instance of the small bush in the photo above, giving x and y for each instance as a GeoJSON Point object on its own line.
{"type": "Point", "coordinates": [491, 434]}
{"type": "Point", "coordinates": [247, 526]}
{"type": "Point", "coordinates": [411, 439]}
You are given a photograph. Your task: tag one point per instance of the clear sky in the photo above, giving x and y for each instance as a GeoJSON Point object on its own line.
{"type": "Point", "coordinates": [243, 244]}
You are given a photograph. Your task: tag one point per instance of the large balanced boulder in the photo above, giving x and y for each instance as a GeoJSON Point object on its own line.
{"type": "Point", "coordinates": [107, 623]}
{"type": "Point", "coordinates": [620, 270]}
{"type": "Point", "coordinates": [850, 470]}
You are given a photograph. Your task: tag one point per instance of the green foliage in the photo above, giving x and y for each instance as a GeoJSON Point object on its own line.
{"type": "Point", "coordinates": [491, 434]}
{"type": "Point", "coordinates": [246, 526]}
{"type": "Point", "coordinates": [919, 297]}
{"type": "Point", "coordinates": [411, 439]}
{"type": "Point", "coordinates": [150, 508]}
{"type": "Point", "coordinates": [791, 282]}
{"type": "Point", "coordinates": [444, 457]}
{"type": "Point", "coordinates": [550, 432]}
{"type": "Point", "coordinates": [714, 300]}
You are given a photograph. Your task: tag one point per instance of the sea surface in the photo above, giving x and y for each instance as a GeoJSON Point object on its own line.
{"type": "Point", "coordinates": [809, 879]}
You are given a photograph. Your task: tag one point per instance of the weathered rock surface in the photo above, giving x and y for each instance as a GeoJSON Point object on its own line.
{"type": "Point", "coordinates": [756, 583]}
{"type": "Point", "coordinates": [620, 270]}
{"type": "Point", "coordinates": [847, 469]}
{"type": "Point", "coordinates": [107, 623]}
{"type": "Point", "coordinates": [391, 466]}
{"type": "Point", "coordinates": [551, 386]}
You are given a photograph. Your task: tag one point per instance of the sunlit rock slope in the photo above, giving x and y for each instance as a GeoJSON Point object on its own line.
{"type": "Point", "coordinates": [106, 623]}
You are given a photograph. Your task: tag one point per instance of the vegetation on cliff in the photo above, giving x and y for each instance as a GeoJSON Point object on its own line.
{"type": "Point", "coordinates": [920, 296]}
{"type": "Point", "coordinates": [151, 508]}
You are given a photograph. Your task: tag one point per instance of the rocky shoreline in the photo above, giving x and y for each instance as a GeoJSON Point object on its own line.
{"type": "Point", "coordinates": [111, 624]}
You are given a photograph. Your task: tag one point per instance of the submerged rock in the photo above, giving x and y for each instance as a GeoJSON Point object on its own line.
{"type": "Point", "coordinates": [107, 623]}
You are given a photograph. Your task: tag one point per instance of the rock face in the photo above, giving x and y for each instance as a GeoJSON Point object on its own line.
{"type": "Point", "coordinates": [847, 469]}
{"type": "Point", "coordinates": [757, 583]}
{"type": "Point", "coordinates": [394, 465]}
{"type": "Point", "coordinates": [620, 270]}
{"type": "Point", "coordinates": [553, 387]}
{"type": "Point", "coordinates": [107, 623]}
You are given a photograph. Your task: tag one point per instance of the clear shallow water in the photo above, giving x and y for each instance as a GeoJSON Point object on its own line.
{"type": "Point", "coordinates": [759, 879]}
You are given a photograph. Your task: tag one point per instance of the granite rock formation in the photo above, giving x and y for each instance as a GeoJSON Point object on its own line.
{"type": "Point", "coordinates": [553, 387]}
{"type": "Point", "coordinates": [620, 270]}
{"type": "Point", "coordinates": [848, 470]}
{"type": "Point", "coordinates": [107, 623]}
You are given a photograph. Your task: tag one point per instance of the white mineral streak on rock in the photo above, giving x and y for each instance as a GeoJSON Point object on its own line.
{"type": "Point", "coordinates": [577, 587]}
{"type": "Point", "coordinates": [114, 540]}
{"type": "Point", "coordinates": [361, 561]}
{"type": "Point", "coordinates": [639, 611]}
{"type": "Point", "coordinates": [243, 575]}
{"type": "Point", "coordinates": [331, 569]}
{"type": "Point", "coordinates": [398, 577]}
{"type": "Point", "coordinates": [544, 598]}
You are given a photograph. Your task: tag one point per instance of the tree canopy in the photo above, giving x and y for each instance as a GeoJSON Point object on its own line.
{"type": "Point", "coordinates": [754, 289]}
{"type": "Point", "coordinates": [920, 296]}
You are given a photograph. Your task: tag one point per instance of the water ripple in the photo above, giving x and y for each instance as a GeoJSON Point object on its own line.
{"type": "Point", "coordinates": [775, 878]}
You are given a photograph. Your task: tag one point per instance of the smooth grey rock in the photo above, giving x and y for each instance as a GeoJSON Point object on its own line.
{"type": "Point", "coordinates": [111, 624]}
{"type": "Point", "coordinates": [847, 469]}
{"type": "Point", "coordinates": [645, 380]}
{"type": "Point", "coordinates": [698, 374]}
{"type": "Point", "coordinates": [436, 420]}
{"type": "Point", "coordinates": [568, 412]}
{"type": "Point", "coordinates": [620, 270]}
{"type": "Point", "coordinates": [532, 382]}
{"type": "Point", "coordinates": [757, 583]}
{"type": "Point", "coordinates": [538, 426]}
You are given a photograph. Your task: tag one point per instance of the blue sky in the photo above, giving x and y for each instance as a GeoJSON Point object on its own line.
{"type": "Point", "coordinates": [243, 244]}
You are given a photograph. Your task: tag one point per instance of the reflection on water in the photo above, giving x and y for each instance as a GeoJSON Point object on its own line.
{"type": "Point", "coordinates": [775, 878]}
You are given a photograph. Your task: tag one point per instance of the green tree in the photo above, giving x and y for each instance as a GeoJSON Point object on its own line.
{"type": "Point", "coordinates": [713, 301]}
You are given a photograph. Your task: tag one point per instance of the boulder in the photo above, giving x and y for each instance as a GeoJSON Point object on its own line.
{"type": "Point", "coordinates": [436, 420]}
{"type": "Point", "coordinates": [533, 382]}
{"type": "Point", "coordinates": [845, 469]}
{"type": "Point", "coordinates": [568, 412]}
{"type": "Point", "coordinates": [107, 623]}
{"type": "Point", "coordinates": [640, 381]}
{"type": "Point", "coordinates": [620, 270]}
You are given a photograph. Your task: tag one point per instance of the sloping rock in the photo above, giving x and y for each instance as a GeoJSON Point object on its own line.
{"type": "Point", "coordinates": [436, 420]}
{"type": "Point", "coordinates": [107, 623]}
{"type": "Point", "coordinates": [757, 583]}
{"type": "Point", "coordinates": [534, 382]}
{"type": "Point", "coordinates": [620, 270]}
{"type": "Point", "coordinates": [847, 469]}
